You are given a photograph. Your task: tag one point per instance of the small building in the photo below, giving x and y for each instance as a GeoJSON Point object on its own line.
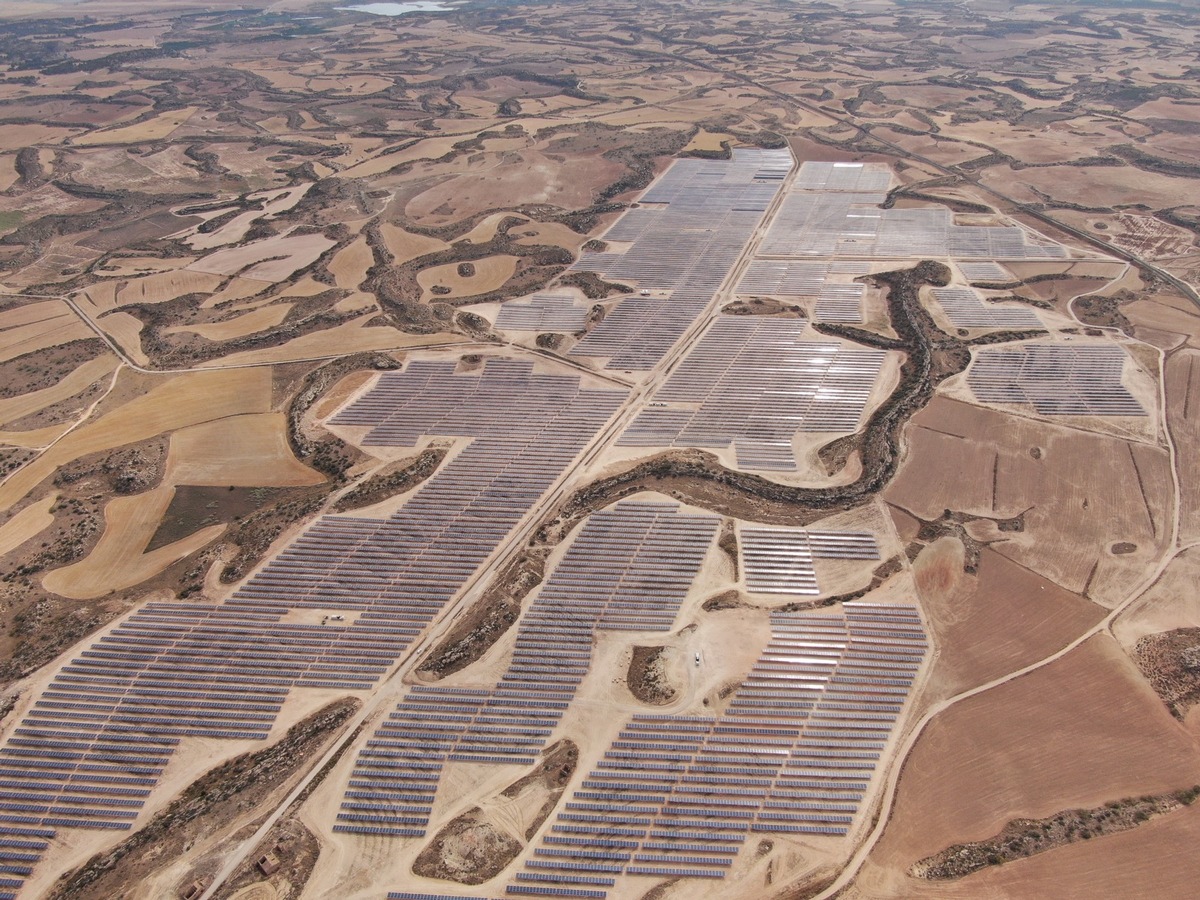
{"type": "Point", "coordinates": [268, 864]}
{"type": "Point", "coordinates": [193, 890]}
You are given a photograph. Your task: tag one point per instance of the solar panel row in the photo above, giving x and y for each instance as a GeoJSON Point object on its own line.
{"type": "Point", "coordinates": [682, 792]}
{"type": "Point", "coordinates": [629, 569]}
{"type": "Point", "coordinates": [543, 312]}
{"type": "Point", "coordinates": [753, 383]}
{"type": "Point", "coordinates": [95, 742]}
{"type": "Point", "coordinates": [780, 561]}
{"type": "Point", "coordinates": [816, 222]}
{"type": "Point", "coordinates": [965, 309]}
{"type": "Point", "coordinates": [686, 246]}
{"type": "Point", "coordinates": [1058, 380]}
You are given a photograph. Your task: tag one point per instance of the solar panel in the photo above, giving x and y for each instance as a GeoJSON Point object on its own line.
{"type": "Point", "coordinates": [1055, 379]}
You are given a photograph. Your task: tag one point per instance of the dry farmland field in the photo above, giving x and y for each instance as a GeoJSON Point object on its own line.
{"type": "Point", "coordinates": [639, 451]}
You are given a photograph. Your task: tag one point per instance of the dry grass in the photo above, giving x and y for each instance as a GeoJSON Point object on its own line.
{"type": "Point", "coordinates": [248, 323]}
{"type": "Point", "coordinates": [347, 338]}
{"type": "Point", "coordinates": [126, 330]}
{"type": "Point", "coordinates": [273, 259]}
{"type": "Point", "coordinates": [706, 140]}
{"type": "Point", "coordinates": [179, 402]}
{"type": "Point", "coordinates": [349, 267]}
{"type": "Point", "coordinates": [117, 561]}
{"type": "Point", "coordinates": [166, 286]}
{"type": "Point", "coordinates": [490, 274]}
{"type": "Point", "coordinates": [29, 522]}
{"type": "Point", "coordinates": [405, 246]}
{"type": "Point", "coordinates": [90, 372]}
{"type": "Point", "coordinates": [248, 450]}
{"type": "Point", "coordinates": [27, 329]}
{"type": "Point", "coordinates": [154, 129]}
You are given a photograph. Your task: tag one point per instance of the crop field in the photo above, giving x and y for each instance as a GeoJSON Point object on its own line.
{"type": "Point", "coordinates": [670, 450]}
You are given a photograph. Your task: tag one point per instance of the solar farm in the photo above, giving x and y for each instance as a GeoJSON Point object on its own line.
{"type": "Point", "coordinates": [785, 699]}
{"type": "Point", "coordinates": [755, 384]}
{"type": "Point", "coordinates": [684, 240]}
{"type": "Point", "coordinates": [1056, 380]}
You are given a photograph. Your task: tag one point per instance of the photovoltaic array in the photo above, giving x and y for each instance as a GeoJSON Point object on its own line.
{"type": "Point", "coordinates": [751, 382]}
{"type": "Point", "coordinates": [818, 219]}
{"type": "Point", "coordinates": [986, 272]}
{"type": "Point", "coordinates": [836, 300]}
{"type": "Point", "coordinates": [96, 741]}
{"type": "Point", "coordinates": [1058, 380]}
{"type": "Point", "coordinates": [629, 569]}
{"type": "Point", "coordinates": [780, 561]}
{"type": "Point", "coordinates": [965, 309]}
{"type": "Point", "coordinates": [676, 796]}
{"type": "Point", "coordinates": [703, 214]}
{"type": "Point", "coordinates": [843, 176]}
{"type": "Point", "coordinates": [543, 312]}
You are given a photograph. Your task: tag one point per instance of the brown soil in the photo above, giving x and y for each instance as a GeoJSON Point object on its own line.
{"type": "Point", "coordinates": [396, 478]}
{"type": "Point", "coordinates": [1072, 734]}
{"type": "Point", "coordinates": [211, 803]}
{"type": "Point", "coordinates": [1170, 661]}
{"type": "Point", "coordinates": [951, 524]}
{"type": "Point", "coordinates": [297, 850]}
{"type": "Point", "coordinates": [647, 677]}
{"type": "Point", "coordinates": [1104, 311]}
{"type": "Point", "coordinates": [489, 617]}
{"type": "Point", "coordinates": [1022, 838]}
{"type": "Point", "coordinates": [470, 849]}
{"type": "Point", "coordinates": [43, 368]}
{"type": "Point", "coordinates": [193, 508]}
{"type": "Point", "coordinates": [763, 306]}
